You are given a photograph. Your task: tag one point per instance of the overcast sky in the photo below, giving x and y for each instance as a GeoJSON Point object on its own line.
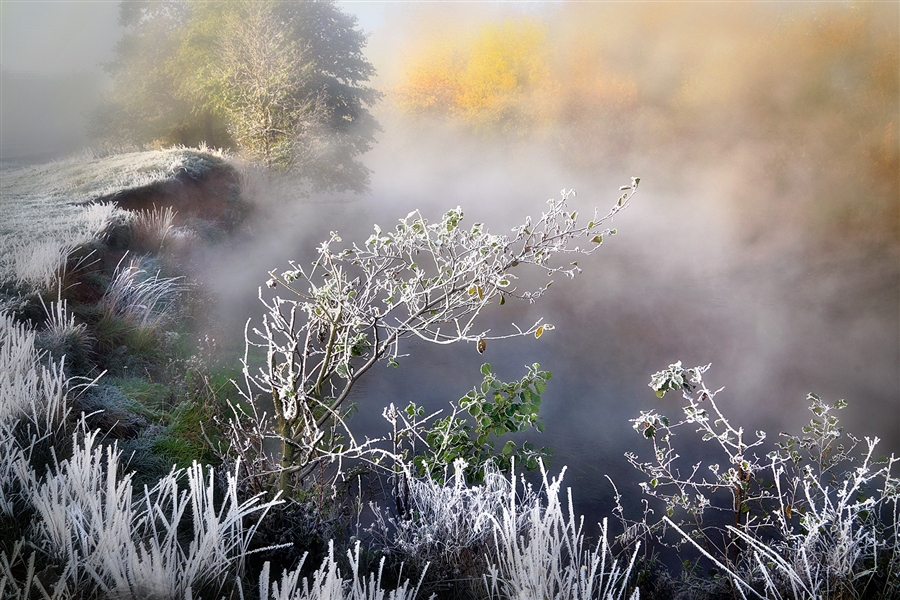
{"type": "Point", "coordinates": [57, 38]}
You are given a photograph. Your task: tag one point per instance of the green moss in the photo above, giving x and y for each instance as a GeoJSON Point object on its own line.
{"type": "Point", "coordinates": [146, 398]}
{"type": "Point", "coordinates": [185, 439]}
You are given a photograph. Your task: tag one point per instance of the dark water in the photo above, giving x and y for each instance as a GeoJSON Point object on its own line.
{"type": "Point", "coordinates": [688, 277]}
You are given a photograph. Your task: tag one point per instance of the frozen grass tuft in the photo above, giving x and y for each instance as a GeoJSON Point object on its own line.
{"type": "Point", "coordinates": [29, 587]}
{"type": "Point", "coordinates": [61, 335]}
{"type": "Point", "coordinates": [447, 524]}
{"type": "Point", "coordinates": [549, 560]}
{"type": "Point", "coordinates": [41, 265]}
{"type": "Point", "coordinates": [30, 391]}
{"type": "Point", "coordinates": [145, 300]}
{"type": "Point", "coordinates": [328, 584]}
{"type": "Point", "coordinates": [518, 541]}
{"type": "Point", "coordinates": [100, 536]}
{"type": "Point", "coordinates": [38, 266]}
{"type": "Point", "coordinates": [152, 230]}
{"type": "Point", "coordinates": [98, 217]}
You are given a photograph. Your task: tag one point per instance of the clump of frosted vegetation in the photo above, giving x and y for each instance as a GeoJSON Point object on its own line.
{"type": "Point", "coordinates": [152, 230]}
{"type": "Point", "coordinates": [447, 524]}
{"type": "Point", "coordinates": [519, 541]}
{"type": "Point", "coordinates": [37, 259]}
{"type": "Point", "coordinates": [62, 336]}
{"type": "Point", "coordinates": [327, 583]}
{"type": "Point", "coordinates": [31, 392]}
{"type": "Point", "coordinates": [815, 517]}
{"type": "Point", "coordinates": [140, 296]}
{"type": "Point", "coordinates": [540, 551]}
{"type": "Point", "coordinates": [90, 521]}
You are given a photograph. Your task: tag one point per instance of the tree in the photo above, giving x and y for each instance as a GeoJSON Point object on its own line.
{"type": "Point", "coordinates": [284, 82]}
{"type": "Point", "coordinates": [258, 73]}
{"type": "Point", "coordinates": [494, 82]}
{"type": "Point", "coordinates": [431, 82]}
{"type": "Point", "coordinates": [146, 105]}
{"type": "Point", "coordinates": [352, 309]}
{"type": "Point", "coordinates": [506, 72]}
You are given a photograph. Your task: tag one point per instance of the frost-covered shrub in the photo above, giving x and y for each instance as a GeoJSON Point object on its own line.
{"type": "Point", "coordinates": [332, 321]}
{"type": "Point", "coordinates": [814, 515]}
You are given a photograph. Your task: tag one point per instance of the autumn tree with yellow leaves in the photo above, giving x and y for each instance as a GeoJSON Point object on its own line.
{"type": "Point", "coordinates": [495, 81]}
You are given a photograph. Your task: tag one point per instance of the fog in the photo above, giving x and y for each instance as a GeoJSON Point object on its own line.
{"type": "Point", "coordinates": [763, 239]}
{"type": "Point", "coordinates": [51, 56]}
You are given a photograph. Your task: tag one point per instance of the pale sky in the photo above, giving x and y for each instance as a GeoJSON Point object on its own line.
{"type": "Point", "coordinates": [57, 38]}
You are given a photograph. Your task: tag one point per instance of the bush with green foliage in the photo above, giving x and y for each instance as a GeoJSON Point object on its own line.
{"type": "Point", "coordinates": [489, 411]}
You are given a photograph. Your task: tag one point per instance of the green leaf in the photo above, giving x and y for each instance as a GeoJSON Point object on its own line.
{"type": "Point", "coordinates": [486, 369]}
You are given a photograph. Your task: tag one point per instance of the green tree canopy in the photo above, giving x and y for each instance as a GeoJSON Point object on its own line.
{"type": "Point", "coordinates": [283, 82]}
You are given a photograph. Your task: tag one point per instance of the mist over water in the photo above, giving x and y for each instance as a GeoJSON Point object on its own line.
{"type": "Point", "coordinates": [740, 249]}
{"type": "Point", "coordinates": [777, 318]}
{"type": "Point", "coordinates": [763, 238]}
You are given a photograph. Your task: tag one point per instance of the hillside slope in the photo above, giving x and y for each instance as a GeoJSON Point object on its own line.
{"type": "Point", "coordinates": [53, 215]}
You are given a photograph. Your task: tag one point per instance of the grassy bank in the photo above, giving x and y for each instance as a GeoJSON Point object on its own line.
{"type": "Point", "coordinates": [92, 258]}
